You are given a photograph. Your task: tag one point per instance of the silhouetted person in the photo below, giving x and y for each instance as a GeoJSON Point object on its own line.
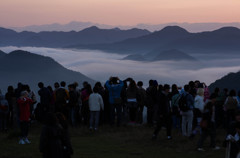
{"type": "Point", "coordinates": [164, 113]}
{"type": "Point", "coordinates": [45, 98]}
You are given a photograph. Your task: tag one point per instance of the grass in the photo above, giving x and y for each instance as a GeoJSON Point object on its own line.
{"type": "Point", "coordinates": [109, 142]}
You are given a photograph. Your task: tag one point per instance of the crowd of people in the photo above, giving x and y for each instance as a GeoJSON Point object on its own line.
{"type": "Point", "coordinates": [191, 110]}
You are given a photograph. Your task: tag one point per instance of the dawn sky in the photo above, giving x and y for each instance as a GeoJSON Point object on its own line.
{"type": "Point", "coordinates": [117, 12]}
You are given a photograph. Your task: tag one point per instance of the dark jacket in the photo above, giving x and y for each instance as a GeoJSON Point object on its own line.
{"type": "Point", "coordinates": [164, 104]}
{"type": "Point", "coordinates": [45, 96]}
{"type": "Point", "coordinates": [55, 142]}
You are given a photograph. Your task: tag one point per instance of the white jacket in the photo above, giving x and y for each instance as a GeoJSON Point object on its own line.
{"type": "Point", "coordinates": [95, 102]}
{"type": "Point", "coordinates": [199, 103]}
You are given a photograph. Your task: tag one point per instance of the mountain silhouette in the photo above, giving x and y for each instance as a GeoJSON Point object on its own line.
{"type": "Point", "coordinates": [28, 68]}
{"type": "Point", "coordinates": [90, 35]}
{"type": "Point", "coordinates": [230, 81]}
{"type": "Point", "coordinates": [2, 53]}
{"type": "Point", "coordinates": [174, 37]}
{"type": "Point", "coordinates": [174, 55]}
{"type": "Point", "coordinates": [135, 57]}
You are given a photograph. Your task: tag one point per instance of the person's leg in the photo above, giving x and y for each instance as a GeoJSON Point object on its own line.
{"type": "Point", "coordinates": [150, 115]}
{"type": "Point", "coordinates": [184, 124]}
{"type": "Point", "coordinates": [97, 117]}
{"type": "Point", "coordinates": [202, 138]}
{"type": "Point", "coordinates": [119, 114]}
{"type": "Point", "coordinates": [190, 122]}
{"type": "Point", "coordinates": [112, 114]}
{"type": "Point", "coordinates": [158, 128]}
{"type": "Point", "coordinates": [213, 135]}
{"type": "Point", "coordinates": [91, 119]}
{"type": "Point", "coordinates": [169, 126]}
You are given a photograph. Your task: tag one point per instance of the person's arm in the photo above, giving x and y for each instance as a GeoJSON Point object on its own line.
{"type": "Point", "coordinates": [101, 102]}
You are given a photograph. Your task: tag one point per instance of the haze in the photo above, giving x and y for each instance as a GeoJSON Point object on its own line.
{"type": "Point", "coordinates": [100, 65]}
{"type": "Point", "coordinates": [117, 12]}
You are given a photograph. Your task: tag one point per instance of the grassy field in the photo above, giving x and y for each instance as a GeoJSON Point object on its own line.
{"type": "Point", "coordinates": [113, 142]}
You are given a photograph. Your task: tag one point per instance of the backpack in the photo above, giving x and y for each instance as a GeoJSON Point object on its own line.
{"type": "Point", "coordinates": [182, 103]}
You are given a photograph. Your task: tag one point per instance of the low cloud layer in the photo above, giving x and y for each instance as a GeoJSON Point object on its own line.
{"type": "Point", "coordinates": [99, 66]}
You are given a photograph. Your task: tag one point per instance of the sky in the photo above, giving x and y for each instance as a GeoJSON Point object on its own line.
{"type": "Point", "coordinates": [18, 13]}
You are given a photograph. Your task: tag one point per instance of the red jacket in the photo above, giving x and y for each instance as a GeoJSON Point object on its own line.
{"type": "Point", "coordinates": [24, 108]}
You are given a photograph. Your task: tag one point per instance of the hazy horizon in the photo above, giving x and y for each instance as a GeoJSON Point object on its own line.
{"type": "Point", "coordinates": [28, 12]}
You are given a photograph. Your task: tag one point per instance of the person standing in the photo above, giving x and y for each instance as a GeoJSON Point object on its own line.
{"type": "Point", "coordinates": [208, 124]}
{"type": "Point", "coordinates": [45, 98]}
{"type": "Point", "coordinates": [24, 104]}
{"type": "Point", "coordinates": [187, 114]}
{"type": "Point", "coordinates": [164, 113]}
{"type": "Point", "coordinates": [95, 105]}
{"type": "Point", "coordinates": [114, 86]}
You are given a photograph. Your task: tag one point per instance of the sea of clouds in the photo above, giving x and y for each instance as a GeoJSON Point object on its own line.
{"type": "Point", "coordinates": [100, 65]}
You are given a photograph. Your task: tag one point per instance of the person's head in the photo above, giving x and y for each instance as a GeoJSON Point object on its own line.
{"type": "Point", "coordinates": [166, 88]}
{"type": "Point", "coordinates": [197, 82]}
{"type": "Point", "coordinates": [75, 84]}
{"type": "Point", "coordinates": [186, 88]}
{"type": "Point", "coordinates": [56, 85]}
{"type": "Point", "coordinates": [160, 88]}
{"type": "Point", "coordinates": [71, 87]}
{"type": "Point", "coordinates": [191, 84]}
{"type": "Point", "coordinates": [63, 84]}
{"type": "Point", "coordinates": [50, 88]}
{"type": "Point", "coordinates": [95, 89]}
{"type": "Point", "coordinates": [27, 88]}
{"type": "Point", "coordinates": [216, 90]}
{"type": "Point", "coordinates": [40, 85]}
{"type": "Point", "coordinates": [89, 88]}
{"type": "Point", "coordinates": [85, 83]}
{"type": "Point", "coordinates": [19, 85]}
{"type": "Point", "coordinates": [150, 82]}
{"type": "Point", "coordinates": [114, 80]}
{"type": "Point", "coordinates": [139, 83]}
{"type": "Point", "coordinates": [24, 94]}
{"type": "Point", "coordinates": [155, 83]}
{"type": "Point", "coordinates": [213, 97]}
{"type": "Point", "coordinates": [10, 89]}
{"type": "Point", "coordinates": [200, 91]}
{"type": "Point", "coordinates": [98, 84]}
{"type": "Point", "coordinates": [232, 93]}
{"type": "Point", "coordinates": [132, 84]}
{"type": "Point", "coordinates": [174, 88]}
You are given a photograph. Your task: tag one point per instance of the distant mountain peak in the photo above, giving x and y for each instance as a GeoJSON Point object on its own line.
{"type": "Point", "coordinates": [173, 29]}
{"type": "Point", "coordinates": [92, 28]}
{"type": "Point", "coordinates": [228, 29]}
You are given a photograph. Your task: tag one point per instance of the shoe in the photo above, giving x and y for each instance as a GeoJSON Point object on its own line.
{"type": "Point", "coordinates": [90, 129]}
{"type": "Point", "coordinates": [95, 129]}
{"type": "Point", "coordinates": [216, 148]}
{"type": "Point", "coordinates": [27, 141]}
{"type": "Point", "coordinates": [200, 149]}
{"type": "Point", "coordinates": [21, 141]}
